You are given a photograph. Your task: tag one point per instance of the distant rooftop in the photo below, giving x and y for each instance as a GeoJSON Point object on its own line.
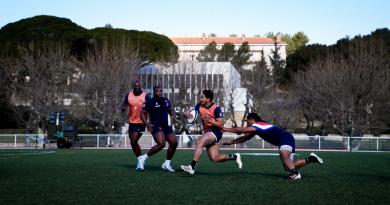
{"type": "Point", "coordinates": [222, 40]}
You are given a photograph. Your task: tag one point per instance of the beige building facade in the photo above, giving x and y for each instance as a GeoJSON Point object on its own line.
{"type": "Point", "coordinates": [190, 47]}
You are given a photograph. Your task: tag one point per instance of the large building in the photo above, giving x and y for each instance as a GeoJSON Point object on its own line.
{"type": "Point", "coordinates": [184, 81]}
{"type": "Point", "coordinates": [190, 47]}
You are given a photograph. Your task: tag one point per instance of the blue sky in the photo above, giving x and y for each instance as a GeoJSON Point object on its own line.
{"type": "Point", "coordinates": [323, 21]}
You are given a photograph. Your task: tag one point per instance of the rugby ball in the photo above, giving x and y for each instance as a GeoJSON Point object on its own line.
{"type": "Point", "coordinates": [193, 114]}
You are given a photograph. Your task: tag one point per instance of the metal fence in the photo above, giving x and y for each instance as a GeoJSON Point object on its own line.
{"type": "Point", "coordinates": [121, 141]}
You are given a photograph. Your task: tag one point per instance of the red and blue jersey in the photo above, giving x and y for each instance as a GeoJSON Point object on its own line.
{"type": "Point", "coordinates": [272, 134]}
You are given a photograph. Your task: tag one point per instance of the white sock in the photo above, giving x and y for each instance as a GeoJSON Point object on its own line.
{"type": "Point", "coordinates": [167, 162]}
{"type": "Point", "coordinates": [146, 156]}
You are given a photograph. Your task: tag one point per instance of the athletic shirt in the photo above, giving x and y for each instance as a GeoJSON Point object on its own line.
{"type": "Point", "coordinates": [213, 111]}
{"type": "Point", "coordinates": [135, 103]}
{"type": "Point", "coordinates": [271, 133]}
{"type": "Point", "coordinates": [158, 109]}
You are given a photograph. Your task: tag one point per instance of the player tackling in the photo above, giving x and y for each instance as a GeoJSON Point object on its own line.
{"type": "Point", "coordinates": [276, 136]}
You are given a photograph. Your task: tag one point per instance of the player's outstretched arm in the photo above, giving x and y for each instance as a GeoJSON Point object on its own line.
{"type": "Point", "coordinates": [240, 139]}
{"type": "Point", "coordinates": [239, 129]}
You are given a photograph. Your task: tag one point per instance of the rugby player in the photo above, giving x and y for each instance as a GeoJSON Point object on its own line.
{"type": "Point", "coordinates": [158, 109]}
{"type": "Point", "coordinates": [135, 100]}
{"type": "Point", "coordinates": [211, 117]}
{"type": "Point", "coordinates": [275, 136]}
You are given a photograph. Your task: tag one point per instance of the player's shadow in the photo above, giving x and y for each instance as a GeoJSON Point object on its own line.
{"type": "Point", "coordinates": [241, 174]}
{"type": "Point", "coordinates": [147, 167]}
{"type": "Point", "coordinates": [376, 176]}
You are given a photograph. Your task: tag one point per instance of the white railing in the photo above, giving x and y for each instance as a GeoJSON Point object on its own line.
{"type": "Point", "coordinates": [121, 141]}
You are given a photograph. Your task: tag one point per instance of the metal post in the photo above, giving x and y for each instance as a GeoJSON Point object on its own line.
{"type": "Point", "coordinates": [377, 143]}
{"type": "Point", "coordinates": [125, 141]}
{"type": "Point", "coordinates": [235, 145]}
{"type": "Point", "coordinates": [262, 143]}
{"type": "Point", "coordinates": [97, 141]}
{"type": "Point", "coordinates": [180, 139]}
{"type": "Point", "coordinates": [319, 142]}
{"type": "Point", "coordinates": [15, 141]}
{"type": "Point", "coordinates": [349, 145]}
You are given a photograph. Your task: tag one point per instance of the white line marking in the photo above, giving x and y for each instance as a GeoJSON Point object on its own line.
{"type": "Point", "coordinates": [261, 154]}
{"type": "Point", "coordinates": [28, 153]}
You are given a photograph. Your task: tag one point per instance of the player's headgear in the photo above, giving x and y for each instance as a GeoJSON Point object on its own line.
{"type": "Point", "coordinates": [254, 116]}
{"type": "Point", "coordinates": [208, 94]}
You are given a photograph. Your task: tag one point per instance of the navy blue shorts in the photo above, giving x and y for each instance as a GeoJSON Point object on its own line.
{"type": "Point", "coordinates": [166, 129]}
{"type": "Point", "coordinates": [136, 128]}
{"type": "Point", "coordinates": [217, 134]}
{"type": "Point", "coordinates": [288, 140]}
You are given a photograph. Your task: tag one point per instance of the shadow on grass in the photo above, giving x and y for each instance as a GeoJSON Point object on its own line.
{"type": "Point", "coordinates": [147, 168]}
{"type": "Point", "coordinates": [241, 174]}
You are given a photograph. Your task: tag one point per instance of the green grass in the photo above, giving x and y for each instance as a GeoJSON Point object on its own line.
{"type": "Point", "coordinates": [108, 177]}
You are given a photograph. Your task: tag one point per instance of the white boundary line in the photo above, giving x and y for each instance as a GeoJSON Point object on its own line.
{"type": "Point", "coordinates": [28, 153]}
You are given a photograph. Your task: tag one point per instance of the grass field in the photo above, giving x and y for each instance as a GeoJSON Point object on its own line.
{"type": "Point", "coordinates": [108, 177]}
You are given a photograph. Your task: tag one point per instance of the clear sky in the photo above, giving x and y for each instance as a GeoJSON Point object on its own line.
{"type": "Point", "coordinates": [323, 21]}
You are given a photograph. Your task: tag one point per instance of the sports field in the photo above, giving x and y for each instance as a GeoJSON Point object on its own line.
{"type": "Point", "coordinates": [108, 177]}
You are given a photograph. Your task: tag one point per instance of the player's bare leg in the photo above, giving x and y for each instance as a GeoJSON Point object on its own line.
{"type": "Point", "coordinates": [313, 158]}
{"type": "Point", "coordinates": [159, 138]}
{"type": "Point", "coordinates": [172, 141]}
{"type": "Point", "coordinates": [299, 163]}
{"type": "Point", "coordinates": [214, 155]}
{"type": "Point", "coordinates": [285, 157]}
{"type": "Point", "coordinates": [134, 137]}
{"type": "Point", "coordinates": [206, 139]}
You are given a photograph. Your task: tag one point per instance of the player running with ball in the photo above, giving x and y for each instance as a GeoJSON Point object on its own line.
{"type": "Point", "coordinates": [212, 121]}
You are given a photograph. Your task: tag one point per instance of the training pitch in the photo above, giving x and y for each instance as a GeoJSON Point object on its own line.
{"type": "Point", "coordinates": [108, 177]}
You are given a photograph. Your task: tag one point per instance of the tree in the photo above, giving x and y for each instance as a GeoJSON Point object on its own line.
{"type": "Point", "coordinates": [7, 113]}
{"type": "Point", "coordinates": [294, 42]}
{"type": "Point", "coordinates": [107, 75]}
{"type": "Point", "coordinates": [226, 53]}
{"type": "Point", "coordinates": [153, 47]}
{"type": "Point", "coordinates": [242, 56]}
{"type": "Point", "coordinates": [262, 97]}
{"type": "Point", "coordinates": [14, 37]}
{"type": "Point", "coordinates": [40, 78]}
{"type": "Point", "coordinates": [298, 40]}
{"type": "Point", "coordinates": [301, 58]}
{"type": "Point", "coordinates": [348, 89]}
{"type": "Point", "coordinates": [108, 26]}
{"type": "Point", "coordinates": [209, 53]}
{"type": "Point", "coordinates": [233, 35]}
{"type": "Point", "coordinates": [41, 30]}
{"type": "Point", "coordinates": [278, 65]}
